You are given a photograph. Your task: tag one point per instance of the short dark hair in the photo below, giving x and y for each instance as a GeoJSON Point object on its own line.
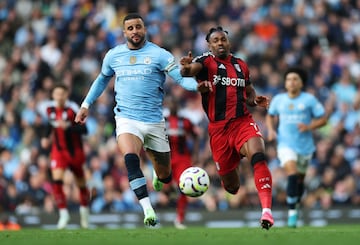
{"type": "Point", "coordinates": [60, 85]}
{"type": "Point", "coordinates": [132, 16]}
{"type": "Point", "coordinates": [214, 29]}
{"type": "Point", "coordinates": [298, 70]}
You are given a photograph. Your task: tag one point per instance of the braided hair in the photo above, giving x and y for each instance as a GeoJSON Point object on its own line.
{"type": "Point", "coordinates": [214, 29]}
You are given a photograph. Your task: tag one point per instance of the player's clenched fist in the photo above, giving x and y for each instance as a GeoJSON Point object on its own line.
{"type": "Point", "coordinates": [81, 115]}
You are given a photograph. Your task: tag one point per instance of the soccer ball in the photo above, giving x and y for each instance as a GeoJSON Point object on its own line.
{"type": "Point", "coordinates": [194, 182]}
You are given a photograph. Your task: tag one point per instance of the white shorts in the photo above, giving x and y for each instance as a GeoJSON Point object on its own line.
{"type": "Point", "coordinates": [153, 135]}
{"type": "Point", "coordinates": [287, 154]}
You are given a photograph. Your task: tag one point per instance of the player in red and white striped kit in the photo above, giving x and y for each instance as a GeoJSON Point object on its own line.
{"type": "Point", "coordinates": [65, 138]}
{"type": "Point", "coordinates": [233, 132]}
{"type": "Point", "coordinates": [181, 133]}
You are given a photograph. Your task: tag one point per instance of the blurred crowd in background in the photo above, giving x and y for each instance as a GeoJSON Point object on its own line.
{"type": "Point", "coordinates": [43, 42]}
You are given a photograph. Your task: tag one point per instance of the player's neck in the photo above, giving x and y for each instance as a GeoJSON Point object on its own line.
{"type": "Point", "coordinates": [223, 57]}
{"type": "Point", "coordinates": [133, 47]}
{"type": "Point", "coordinates": [60, 105]}
{"type": "Point", "coordinates": [294, 94]}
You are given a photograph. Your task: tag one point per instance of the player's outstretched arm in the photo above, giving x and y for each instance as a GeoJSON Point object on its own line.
{"type": "Point", "coordinates": [189, 68]}
{"type": "Point", "coordinates": [270, 122]}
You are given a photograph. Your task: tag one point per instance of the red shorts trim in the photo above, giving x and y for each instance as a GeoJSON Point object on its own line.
{"type": "Point", "coordinates": [226, 140]}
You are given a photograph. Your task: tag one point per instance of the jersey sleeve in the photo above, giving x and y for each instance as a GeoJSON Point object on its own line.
{"type": "Point", "coordinates": [167, 62]}
{"type": "Point", "coordinates": [203, 74]}
{"type": "Point", "coordinates": [74, 106]}
{"type": "Point", "coordinates": [245, 70]}
{"type": "Point", "coordinates": [273, 106]}
{"type": "Point", "coordinates": [96, 89]}
{"type": "Point", "coordinates": [41, 109]}
{"type": "Point", "coordinates": [318, 109]}
{"type": "Point", "coordinates": [106, 69]}
{"type": "Point", "coordinates": [101, 81]}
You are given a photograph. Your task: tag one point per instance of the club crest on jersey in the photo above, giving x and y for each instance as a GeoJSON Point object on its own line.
{"type": "Point", "coordinates": [237, 67]}
{"type": "Point", "coordinates": [132, 60]}
{"type": "Point", "coordinates": [147, 60]}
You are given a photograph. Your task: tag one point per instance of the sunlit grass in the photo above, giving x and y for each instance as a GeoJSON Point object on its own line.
{"type": "Point", "coordinates": [343, 235]}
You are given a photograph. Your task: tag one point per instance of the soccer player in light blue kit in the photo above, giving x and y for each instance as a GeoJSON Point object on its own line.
{"type": "Point", "coordinates": [140, 69]}
{"type": "Point", "coordinates": [297, 114]}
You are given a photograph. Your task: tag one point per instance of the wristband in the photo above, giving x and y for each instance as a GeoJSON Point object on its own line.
{"type": "Point", "coordinates": [85, 105]}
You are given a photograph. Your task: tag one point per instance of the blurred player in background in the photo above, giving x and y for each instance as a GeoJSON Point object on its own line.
{"type": "Point", "coordinates": [232, 130]}
{"type": "Point", "coordinates": [181, 134]}
{"type": "Point", "coordinates": [291, 118]}
{"type": "Point", "coordinates": [140, 68]}
{"type": "Point", "coordinates": [65, 137]}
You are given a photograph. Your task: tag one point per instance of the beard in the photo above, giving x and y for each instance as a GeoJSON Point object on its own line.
{"type": "Point", "coordinates": [222, 54]}
{"type": "Point", "coordinates": [138, 43]}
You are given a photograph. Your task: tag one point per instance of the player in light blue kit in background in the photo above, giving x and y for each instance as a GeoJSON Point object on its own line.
{"type": "Point", "coordinates": [140, 69]}
{"type": "Point", "coordinates": [295, 114]}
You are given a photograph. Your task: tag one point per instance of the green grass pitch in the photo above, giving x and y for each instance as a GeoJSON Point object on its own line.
{"type": "Point", "coordinates": [329, 235]}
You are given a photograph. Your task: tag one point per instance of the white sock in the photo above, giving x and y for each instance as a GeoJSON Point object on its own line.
{"type": "Point", "coordinates": [83, 209]}
{"type": "Point", "coordinates": [292, 212]}
{"type": "Point", "coordinates": [145, 203]}
{"type": "Point", "coordinates": [266, 210]}
{"type": "Point", "coordinates": [63, 211]}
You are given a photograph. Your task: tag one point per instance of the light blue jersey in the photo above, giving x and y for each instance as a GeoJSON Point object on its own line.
{"type": "Point", "coordinates": [291, 112]}
{"type": "Point", "coordinates": [140, 75]}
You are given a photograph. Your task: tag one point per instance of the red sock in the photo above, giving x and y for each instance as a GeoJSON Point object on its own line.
{"type": "Point", "coordinates": [59, 194]}
{"type": "Point", "coordinates": [181, 207]}
{"type": "Point", "coordinates": [263, 182]}
{"type": "Point", "coordinates": [84, 196]}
